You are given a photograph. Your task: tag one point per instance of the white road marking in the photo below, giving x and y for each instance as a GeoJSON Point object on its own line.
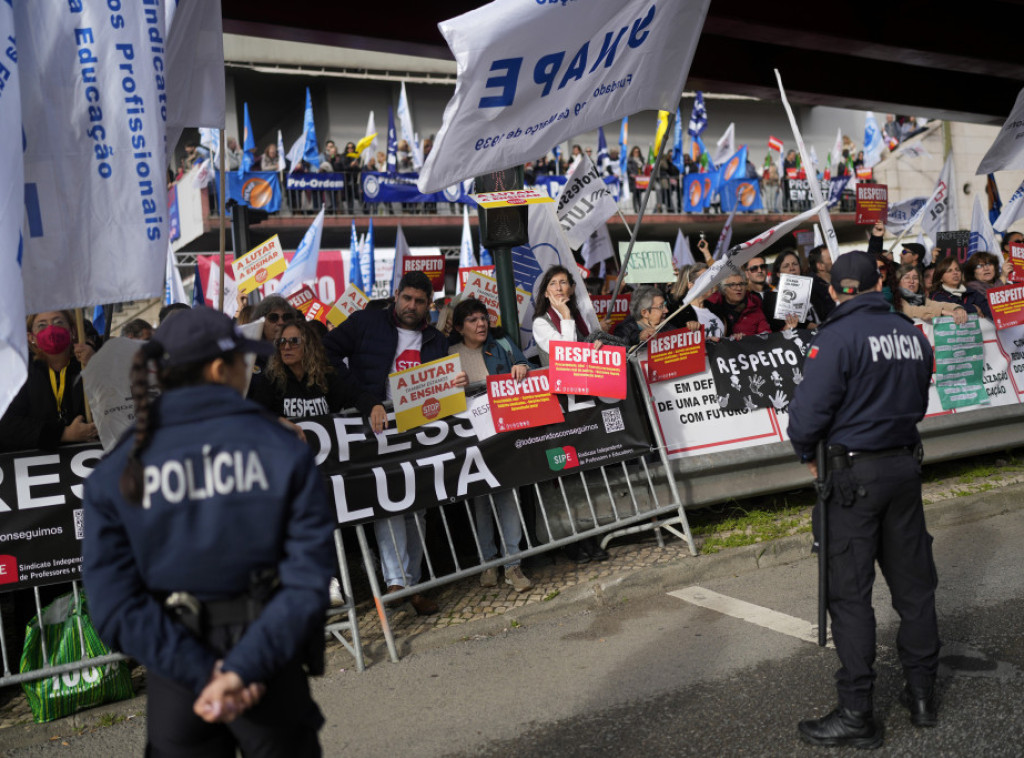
{"type": "Point", "coordinates": [754, 614]}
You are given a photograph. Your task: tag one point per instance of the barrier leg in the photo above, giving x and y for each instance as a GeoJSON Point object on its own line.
{"type": "Point", "coordinates": [371, 573]}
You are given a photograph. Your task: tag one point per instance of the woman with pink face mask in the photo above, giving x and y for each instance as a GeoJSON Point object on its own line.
{"type": "Point", "coordinates": [49, 410]}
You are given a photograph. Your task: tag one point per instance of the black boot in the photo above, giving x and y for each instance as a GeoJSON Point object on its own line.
{"type": "Point", "coordinates": [920, 701]}
{"type": "Point", "coordinates": [843, 727]}
{"type": "Point", "coordinates": [593, 548]}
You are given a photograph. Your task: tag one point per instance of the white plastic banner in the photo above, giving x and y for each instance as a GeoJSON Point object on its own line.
{"type": "Point", "coordinates": [532, 75]}
{"type": "Point", "coordinates": [1007, 152]}
{"type": "Point", "coordinates": [585, 203]}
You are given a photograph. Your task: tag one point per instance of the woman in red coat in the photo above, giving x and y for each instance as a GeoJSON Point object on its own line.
{"type": "Point", "coordinates": [738, 308]}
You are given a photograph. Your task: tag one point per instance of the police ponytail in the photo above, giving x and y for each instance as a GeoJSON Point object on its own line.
{"type": "Point", "coordinates": [145, 420]}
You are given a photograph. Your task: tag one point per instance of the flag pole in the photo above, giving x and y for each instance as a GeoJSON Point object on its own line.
{"type": "Point", "coordinates": [640, 214]}
{"type": "Point", "coordinates": [220, 292]}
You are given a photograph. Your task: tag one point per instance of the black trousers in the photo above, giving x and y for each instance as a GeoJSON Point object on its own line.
{"type": "Point", "coordinates": [883, 521]}
{"type": "Point", "coordinates": [283, 724]}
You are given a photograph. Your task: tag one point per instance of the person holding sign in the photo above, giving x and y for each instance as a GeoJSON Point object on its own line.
{"type": "Point", "coordinates": [948, 287]}
{"type": "Point", "coordinates": [647, 310]}
{"type": "Point", "coordinates": [49, 409]}
{"type": "Point", "coordinates": [482, 354]}
{"type": "Point", "coordinates": [738, 308]}
{"type": "Point", "coordinates": [559, 317]}
{"type": "Point", "coordinates": [914, 303]}
{"type": "Point", "coordinates": [208, 551]}
{"type": "Point", "coordinates": [786, 262]}
{"type": "Point", "coordinates": [865, 388]}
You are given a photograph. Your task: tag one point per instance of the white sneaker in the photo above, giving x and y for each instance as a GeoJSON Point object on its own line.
{"type": "Point", "coordinates": [335, 592]}
{"type": "Point", "coordinates": [519, 581]}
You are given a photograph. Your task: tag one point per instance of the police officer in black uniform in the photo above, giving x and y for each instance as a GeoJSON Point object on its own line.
{"type": "Point", "coordinates": [208, 552]}
{"type": "Point", "coordinates": [865, 387]}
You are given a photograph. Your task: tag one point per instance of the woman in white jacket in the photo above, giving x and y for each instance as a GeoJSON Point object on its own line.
{"type": "Point", "coordinates": [558, 317]}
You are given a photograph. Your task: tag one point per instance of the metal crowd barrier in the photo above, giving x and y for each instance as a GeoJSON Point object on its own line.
{"type": "Point", "coordinates": [340, 620]}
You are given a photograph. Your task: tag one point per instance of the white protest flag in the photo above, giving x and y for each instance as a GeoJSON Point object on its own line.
{"type": "Point", "coordinates": [731, 264]}
{"type": "Point", "coordinates": [531, 76]}
{"type": "Point", "coordinates": [585, 202]}
{"type": "Point", "coordinates": [725, 238]}
{"type": "Point", "coordinates": [281, 165]}
{"type": "Point", "coordinates": [467, 255]}
{"type": "Point", "coordinates": [928, 247]}
{"type": "Point", "coordinates": [597, 248]}
{"type": "Point", "coordinates": [95, 169]}
{"type": "Point", "coordinates": [1007, 152]}
{"type": "Point", "coordinates": [835, 156]}
{"type": "Point", "coordinates": [405, 126]}
{"type": "Point", "coordinates": [13, 344]}
{"type": "Point", "coordinates": [212, 288]}
{"type": "Point", "coordinates": [726, 146]}
{"type": "Point", "coordinates": [982, 237]}
{"type": "Point", "coordinates": [818, 239]}
{"type": "Point", "coordinates": [108, 389]}
{"type": "Point", "coordinates": [210, 139]}
{"type": "Point", "coordinates": [939, 214]}
{"type": "Point", "coordinates": [548, 247]}
{"type": "Point", "coordinates": [912, 150]}
{"type": "Point", "coordinates": [812, 178]}
{"type": "Point", "coordinates": [681, 253]}
{"type": "Point", "coordinates": [401, 253]}
{"type": "Point", "coordinates": [370, 151]}
{"type": "Point", "coordinates": [174, 290]}
{"type": "Point", "coordinates": [1012, 210]}
{"type": "Point", "coordinates": [191, 64]}
{"type": "Point", "coordinates": [302, 267]}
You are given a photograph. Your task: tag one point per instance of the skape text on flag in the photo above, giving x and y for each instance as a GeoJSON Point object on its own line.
{"type": "Point", "coordinates": [531, 76]}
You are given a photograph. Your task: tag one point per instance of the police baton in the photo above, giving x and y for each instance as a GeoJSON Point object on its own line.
{"type": "Point", "coordinates": [819, 485]}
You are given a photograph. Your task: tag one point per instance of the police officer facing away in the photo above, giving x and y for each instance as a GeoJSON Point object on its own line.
{"type": "Point", "coordinates": [208, 552]}
{"type": "Point", "coordinates": [865, 387]}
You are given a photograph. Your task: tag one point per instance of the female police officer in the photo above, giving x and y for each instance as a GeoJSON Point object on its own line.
{"type": "Point", "coordinates": [865, 388]}
{"type": "Point", "coordinates": [207, 552]}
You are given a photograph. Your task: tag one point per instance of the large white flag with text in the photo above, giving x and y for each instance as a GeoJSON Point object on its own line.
{"type": "Point", "coordinates": [585, 203]}
{"type": "Point", "coordinates": [940, 214]}
{"type": "Point", "coordinates": [532, 75]}
{"type": "Point", "coordinates": [1007, 152]}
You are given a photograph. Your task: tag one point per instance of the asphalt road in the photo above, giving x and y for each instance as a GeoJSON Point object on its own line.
{"type": "Point", "coordinates": [648, 674]}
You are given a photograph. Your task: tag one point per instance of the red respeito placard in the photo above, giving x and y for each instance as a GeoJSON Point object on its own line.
{"type": "Point", "coordinates": [431, 265]}
{"type": "Point", "coordinates": [576, 368]}
{"type": "Point", "coordinates": [521, 405]}
{"type": "Point", "coordinates": [1017, 258]}
{"type": "Point", "coordinates": [604, 309]}
{"type": "Point", "coordinates": [1007, 305]}
{"type": "Point", "coordinates": [872, 203]}
{"type": "Point", "coordinates": [671, 355]}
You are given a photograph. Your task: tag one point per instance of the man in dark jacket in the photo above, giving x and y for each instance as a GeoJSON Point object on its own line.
{"type": "Point", "coordinates": [377, 343]}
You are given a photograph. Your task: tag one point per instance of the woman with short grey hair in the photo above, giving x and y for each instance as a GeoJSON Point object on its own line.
{"type": "Point", "coordinates": [647, 310]}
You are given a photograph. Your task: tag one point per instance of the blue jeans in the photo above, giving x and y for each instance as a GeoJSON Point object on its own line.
{"type": "Point", "coordinates": [508, 522]}
{"type": "Point", "coordinates": [401, 568]}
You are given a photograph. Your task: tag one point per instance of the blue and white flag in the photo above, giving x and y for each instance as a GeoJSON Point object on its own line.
{"type": "Point", "coordinates": [486, 259]}
{"type": "Point", "coordinates": [401, 253]}
{"type": "Point", "coordinates": [99, 319]}
{"type": "Point", "coordinates": [248, 145]}
{"type": "Point", "coordinates": [982, 237]}
{"type": "Point", "coordinates": [872, 140]}
{"type": "Point", "coordinates": [197, 287]}
{"type": "Point", "coordinates": [210, 139]}
{"type": "Point", "coordinates": [94, 196]}
{"type": "Point", "coordinates": [174, 290]}
{"type": "Point", "coordinates": [624, 149]}
{"type": "Point", "coordinates": [681, 253]}
{"type": "Point", "coordinates": [392, 154]}
{"type": "Point", "coordinates": [366, 261]}
{"type": "Point", "coordinates": [677, 143]}
{"type": "Point", "coordinates": [532, 75]}
{"type": "Point", "coordinates": [467, 257]}
{"type": "Point", "coordinates": [836, 185]}
{"type": "Point", "coordinates": [304, 148]}
{"type": "Point", "coordinates": [1012, 210]}
{"type": "Point", "coordinates": [604, 159]}
{"type": "Point", "coordinates": [302, 267]}
{"type": "Point", "coordinates": [355, 267]}
{"type": "Point", "coordinates": [408, 134]}
{"type": "Point", "coordinates": [698, 116]}
{"type": "Point", "coordinates": [13, 343]}
{"type": "Point", "coordinates": [281, 165]}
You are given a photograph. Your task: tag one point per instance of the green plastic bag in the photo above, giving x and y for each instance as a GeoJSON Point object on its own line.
{"type": "Point", "coordinates": [63, 694]}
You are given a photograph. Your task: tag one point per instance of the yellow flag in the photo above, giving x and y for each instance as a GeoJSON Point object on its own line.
{"type": "Point", "coordinates": [365, 142]}
{"type": "Point", "coordinates": [659, 135]}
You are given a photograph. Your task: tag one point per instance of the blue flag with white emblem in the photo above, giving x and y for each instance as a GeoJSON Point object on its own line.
{"type": "Point", "coordinates": [392, 144]}
{"type": "Point", "coordinates": [248, 145]}
{"type": "Point", "coordinates": [698, 116]}
{"type": "Point", "coordinates": [355, 268]}
{"type": "Point", "coordinates": [603, 157]}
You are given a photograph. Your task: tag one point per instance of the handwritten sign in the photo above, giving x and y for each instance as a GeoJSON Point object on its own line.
{"type": "Point", "coordinates": [431, 265]}
{"type": "Point", "coordinates": [649, 263]}
{"type": "Point", "coordinates": [604, 309]}
{"type": "Point", "coordinates": [1007, 304]}
{"type": "Point", "coordinates": [259, 265]}
{"type": "Point", "coordinates": [352, 299]}
{"type": "Point", "coordinates": [522, 405]}
{"type": "Point", "coordinates": [427, 392]}
{"type": "Point", "coordinates": [485, 289]}
{"type": "Point", "coordinates": [511, 197]}
{"type": "Point", "coordinates": [952, 245]}
{"type": "Point", "coordinates": [794, 296]}
{"type": "Point", "coordinates": [306, 302]}
{"type": "Point", "coordinates": [872, 203]}
{"type": "Point", "coordinates": [577, 368]}
{"type": "Point", "coordinates": [675, 354]}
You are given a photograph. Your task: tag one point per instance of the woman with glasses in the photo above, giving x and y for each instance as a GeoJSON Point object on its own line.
{"type": "Point", "coordinates": [981, 273]}
{"type": "Point", "coordinates": [739, 308]}
{"type": "Point", "coordinates": [914, 301]}
{"type": "Point", "coordinates": [948, 287]}
{"type": "Point", "coordinates": [786, 262]}
{"type": "Point", "coordinates": [300, 382]}
{"type": "Point", "coordinates": [49, 410]}
{"type": "Point", "coordinates": [647, 310]}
